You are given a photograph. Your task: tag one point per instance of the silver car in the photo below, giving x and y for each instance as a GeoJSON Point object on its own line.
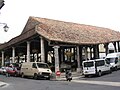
{"type": "Point", "coordinates": [2, 70]}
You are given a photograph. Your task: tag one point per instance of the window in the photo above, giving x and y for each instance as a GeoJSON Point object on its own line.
{"type": "Point", "coordinates": [100, 63]}
{"type": "Point", "coordinates": [42, 65]}
{"type": "Point", "coordinates": [88, 64]}
{"type": "Point", "coordinates": [34, 65]}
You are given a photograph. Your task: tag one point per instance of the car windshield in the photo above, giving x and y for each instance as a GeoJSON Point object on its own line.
{"type": "Point", "coordinates": [88, 64]}
{"type": "Point", "coordinates": [42, 65]}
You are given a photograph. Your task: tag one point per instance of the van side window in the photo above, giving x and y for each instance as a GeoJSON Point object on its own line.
{"type": "Point", "coordinates": [100, 63]}
{"type": "Point", "coordinates": [88, 64]}
{"type": "Point", "coordinates": [34, 65]}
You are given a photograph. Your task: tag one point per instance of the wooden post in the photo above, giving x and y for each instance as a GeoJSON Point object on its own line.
{"type": "Point", "coordinates": [118, 46]}
{"type": "Point", "coordinates": [96, 51]}
{"type": "Point", "coordinates": [78, 59]}
{"type": "Point", "coordinates": [42, 50]}
{"type": "Point", "coordinates": [106, 48]}
{"type": "Point", "coordinates": [56, 55]}
{"type": "Point", "coordinates": [28, 51]}
{"type": "Point", "coordinates": [13, 54]}
{"type": "Point", "coordinates": [2, 58]}
{"type": "Point", "coordinates": [115, 46]}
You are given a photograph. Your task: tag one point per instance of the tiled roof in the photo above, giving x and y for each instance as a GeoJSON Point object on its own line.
{"type": "Point", "coordinates": [67, 32]}
{"type": "Point", "coordinates": [75, 33]}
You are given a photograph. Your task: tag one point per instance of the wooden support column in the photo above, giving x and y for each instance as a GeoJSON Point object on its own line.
{"type": "Point", "coordinates": [96, 51]}
{"type": "Point", "coordinates": [13, 54]}
{"type": "Point", "coordinates": [118, 46]}
{"type": "Point", "coordinates": [86, 53]}
{"type": "Point", "coordinates": [56, 55]}
{"type": "Point", "coordinates": [78, 59]}
{"type": "Point", "coordinates": [80, 51]}
{"type": "Point", "coordinates": [106, 48]}
{"type": "Point", "coordinates": [62, 55]}
{"type": "Point", "coordinates": [90, 52]}
{"type": "Point", "coordinates": [98, 55]}
{"type": "Point", "coordinates": [3, 59]}
{"type": "Point", "coordinates": [115, 46]}
{"type": "Point", "coordinates": [28, 51]}
{"type": "Point", "coordinates": [46, 51]}
{"type": "Point", "coordinates": [42, 50]}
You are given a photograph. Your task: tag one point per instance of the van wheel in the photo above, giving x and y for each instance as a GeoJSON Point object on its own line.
{"type": "Point", "coordinates": [35, 76]}
{"type": "Point", "coordinates": [86, 76]}
{"type": "Point", "coordinates": [110, 70]}
{"type": "Point", "coordinates": [99, 73]}
{"type": "Point", "coordinates": [116, 68]}
{"type": "Point", "coordinates": [22, 75]}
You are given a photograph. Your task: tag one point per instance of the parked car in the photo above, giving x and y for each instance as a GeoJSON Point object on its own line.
{"type": "Point", "coordinates": [12, 71]}
{"type": "Point", "coordinates": [96, 67]}
{"type": "Point", "coordinates": [36, 70]}
{"type": "Point", "coordinates": [2, 70]}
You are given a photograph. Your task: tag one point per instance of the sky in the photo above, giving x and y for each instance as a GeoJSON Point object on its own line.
{"type": "Point", "coordinates": [101, 13]}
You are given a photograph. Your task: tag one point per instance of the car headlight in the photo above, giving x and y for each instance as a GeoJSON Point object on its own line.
{"type": "Point", "coordinates": [39, 73]}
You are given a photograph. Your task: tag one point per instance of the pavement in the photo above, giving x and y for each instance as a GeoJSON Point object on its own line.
{"type": "Point", "coordinates": [75, 76]}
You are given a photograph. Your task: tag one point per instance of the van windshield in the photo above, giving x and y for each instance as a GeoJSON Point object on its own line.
{"type": "Point", "coordinates": [111, 60]}
{"type": "Point", "coordinates": [88, 64]}
{"type": "Point", "coordinates": [42, 65]}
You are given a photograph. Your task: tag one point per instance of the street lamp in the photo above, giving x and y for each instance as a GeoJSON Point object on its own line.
{"type": "Point", "coordinates": [5, 27]}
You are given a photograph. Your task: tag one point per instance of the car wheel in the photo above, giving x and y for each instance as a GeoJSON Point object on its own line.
{"type": "Point", "coordinates": [35, 76]}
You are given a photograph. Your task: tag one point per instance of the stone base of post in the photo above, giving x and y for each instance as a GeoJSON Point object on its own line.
{"type": "Point", "coordinates": [55, 77]}
{"type": "Point", "coordinates": [58, 78]}
{"type": "Point", "coordinates": [79, 70]}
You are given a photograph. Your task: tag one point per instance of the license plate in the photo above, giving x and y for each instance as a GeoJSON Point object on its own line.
{"type": "Point", "coordinates": [46, 76]}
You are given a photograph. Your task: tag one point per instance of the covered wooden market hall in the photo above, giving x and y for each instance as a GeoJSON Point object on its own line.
{"type": "Point", "coordinates": [58, 43]}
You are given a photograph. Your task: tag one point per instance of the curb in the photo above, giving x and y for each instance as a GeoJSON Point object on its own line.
{"type": "Point", "coordinates": [64, 79]}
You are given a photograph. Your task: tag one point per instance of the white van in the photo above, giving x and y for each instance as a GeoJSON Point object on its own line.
{"type": "Point", "coordinates": [95, 67]}
{"type": "Point", "coordinates": [36, 70]}
{"type": "Point", "coordinates": [114, 60]}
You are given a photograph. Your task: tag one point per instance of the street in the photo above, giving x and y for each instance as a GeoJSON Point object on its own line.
{"type": "Point", "coordinates": [105, 82]}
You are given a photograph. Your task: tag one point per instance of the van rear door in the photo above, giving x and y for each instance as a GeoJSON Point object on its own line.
{"type": "Point", "coordinates": [89, 67]}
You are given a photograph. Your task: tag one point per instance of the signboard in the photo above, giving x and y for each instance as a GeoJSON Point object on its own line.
{"type": "Point", "coordinates": [58, 73]}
